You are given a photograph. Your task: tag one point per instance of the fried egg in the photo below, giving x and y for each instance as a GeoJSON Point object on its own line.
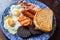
{"type": "Point", "coordinates": [16, 10]}
{"type": "Point", "coordinates": [9, 21]}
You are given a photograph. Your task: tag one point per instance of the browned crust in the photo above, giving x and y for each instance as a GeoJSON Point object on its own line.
{"type": "Point", "coordinates": [42, 22]}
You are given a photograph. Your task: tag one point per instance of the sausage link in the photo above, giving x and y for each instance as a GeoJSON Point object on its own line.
{"type": "Point", "coordinates": [26, 13]}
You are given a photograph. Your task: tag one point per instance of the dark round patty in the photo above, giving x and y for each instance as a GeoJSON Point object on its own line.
{"type": "Point", "coordinates": [33, 30]}
{"type": "Point", "coordinates": [23, 32]}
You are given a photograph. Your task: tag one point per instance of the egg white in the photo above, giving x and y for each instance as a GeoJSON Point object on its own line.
{"type": "Point", "coordinates": [12, 30]}
{"type": "Point", "coordinates": [16, 7]}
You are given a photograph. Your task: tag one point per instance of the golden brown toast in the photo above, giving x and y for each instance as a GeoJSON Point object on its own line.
{"type": "Point", "coordinates": [43, 20]}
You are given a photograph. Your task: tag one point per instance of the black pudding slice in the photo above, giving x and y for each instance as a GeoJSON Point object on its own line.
{"type": "Point", "coordinates": [23, 32]}
{"type": "Point", "coordinates": [33, 31]}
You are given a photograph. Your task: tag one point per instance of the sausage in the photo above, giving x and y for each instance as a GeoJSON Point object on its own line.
{"type": "Point", "coordinates": [32, 11]}
{"type": "Point", "coordinates": [26, 13]}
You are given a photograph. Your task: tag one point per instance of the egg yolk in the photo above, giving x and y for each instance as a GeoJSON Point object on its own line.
{"type": "Point", "coordinates": [11, 22]}
{"type": "Point", "coordinates": [17, 12]}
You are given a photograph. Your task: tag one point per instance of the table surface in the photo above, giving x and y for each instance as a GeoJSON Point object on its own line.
{"type": "Point", "coordinates": [53, 4]}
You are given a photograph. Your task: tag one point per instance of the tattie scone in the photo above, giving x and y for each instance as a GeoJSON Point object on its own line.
{"type": "Point", "coordinates": [43, 20]}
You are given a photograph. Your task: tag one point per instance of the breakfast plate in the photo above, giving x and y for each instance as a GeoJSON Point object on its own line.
{"type": "Point", "coordinates": [44, 36]}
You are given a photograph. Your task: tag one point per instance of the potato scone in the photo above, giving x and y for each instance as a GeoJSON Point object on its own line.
{"type": "Point", "coordinates": [43, 20]}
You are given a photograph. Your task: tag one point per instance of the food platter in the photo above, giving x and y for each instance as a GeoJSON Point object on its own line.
{"type": "Point", "coordinates": [44, 36]}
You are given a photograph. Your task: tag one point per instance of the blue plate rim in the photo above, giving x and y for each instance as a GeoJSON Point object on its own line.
{"type": "Point", "coordinates": [44, 4]}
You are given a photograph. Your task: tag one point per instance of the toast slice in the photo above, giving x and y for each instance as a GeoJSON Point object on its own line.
{"type": "Point", "coordinates": [43, 20]}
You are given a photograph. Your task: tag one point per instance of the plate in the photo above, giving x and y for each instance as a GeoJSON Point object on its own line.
{"type": "Point", "coordinates": [44, 36]}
